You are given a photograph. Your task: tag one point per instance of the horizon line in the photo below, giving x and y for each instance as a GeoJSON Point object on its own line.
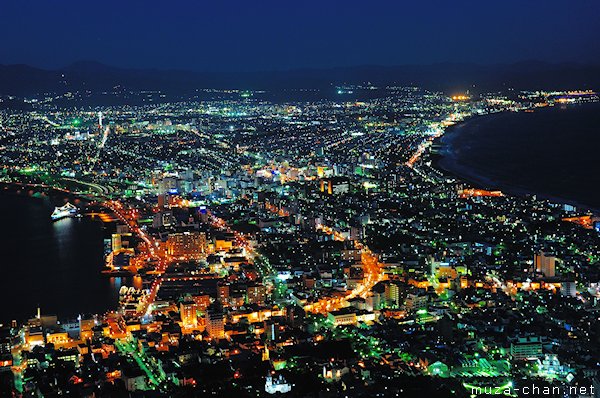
{"type": "Point", "coordinates": [303, 68]}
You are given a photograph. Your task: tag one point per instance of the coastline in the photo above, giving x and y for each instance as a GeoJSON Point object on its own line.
{"type": "Point", "coordinates": [447, 161]}
{"type": "Point", "coordinates": [54, 259]}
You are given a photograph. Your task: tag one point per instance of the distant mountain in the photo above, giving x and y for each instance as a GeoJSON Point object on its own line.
{"type": "Point", "coordinates": [23, 80]}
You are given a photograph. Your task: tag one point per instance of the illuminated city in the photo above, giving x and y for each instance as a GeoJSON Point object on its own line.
{"type": "Point", "coordinates": [301, 241]}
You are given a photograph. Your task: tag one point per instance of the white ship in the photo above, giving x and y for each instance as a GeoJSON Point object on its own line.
{"type": "Point", "coordinates": [68, 210]}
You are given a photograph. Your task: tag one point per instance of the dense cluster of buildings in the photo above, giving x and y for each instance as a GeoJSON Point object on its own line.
{"type": "Point", "coordinates": [305, 249]}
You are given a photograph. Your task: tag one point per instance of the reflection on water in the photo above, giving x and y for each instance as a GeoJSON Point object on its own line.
{"type": "Point", "coordinates": [62, 230]}
{"type": "Point", "coordinates": [118, 281]}
{"type": "Point", "coordinates": [115, 282]}
{"type": "Point", "coordinates": [52, 264]}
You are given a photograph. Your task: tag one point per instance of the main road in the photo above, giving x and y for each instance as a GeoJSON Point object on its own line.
{"type": "Point", "coordinates": [129, 217]}
{"type": "Point", "coordinates": [372, 274]}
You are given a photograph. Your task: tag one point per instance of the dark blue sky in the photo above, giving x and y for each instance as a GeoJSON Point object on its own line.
{"type": "Point", "coordinates": [265, 34]}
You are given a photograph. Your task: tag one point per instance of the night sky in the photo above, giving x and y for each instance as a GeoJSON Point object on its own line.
{"type": "Point", "coordinates": [267, 35]}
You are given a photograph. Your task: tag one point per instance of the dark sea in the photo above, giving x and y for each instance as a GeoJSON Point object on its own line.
{"type": "Point", "coordinates": [552, 152]}
{"type": "Point", "coordinates": [55, 265]}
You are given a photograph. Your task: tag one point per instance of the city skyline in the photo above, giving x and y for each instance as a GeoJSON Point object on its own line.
{"type": "Point", "coordinates": [299, 199]}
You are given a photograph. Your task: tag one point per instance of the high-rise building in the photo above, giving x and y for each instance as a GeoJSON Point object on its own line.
{"type": "Point", "coordinates": [86, 324]}
{"type": "Point", "coordinates": [392, 294]}
{"type": "Point", "coordinates": [526, 347]}
{"type": "Point", "coordinates": [188, 312]}
{"type": "Point", "coordinates": [186, 245]}
{"type": "Point", "coordinates": [162, 200]}
{"type": "Point", "coordinates": [223, 291]}
{"type": "Point", "coordinates": [202, 301]}
{"type": "Point", "coordinates": [415, 300]}
{"type": "Point", "coordinates": [5, 341]}
{"type": "Point", "coordinates": [568, 288]}
{"type": "Point", "coordinates": [215, 321]}
{"type": "Point", "coordinates": [373, 301]}
{"type": "Point", "coordinates": [272, 330]}
{"type": "Point", "coordinates": [163, 218]}
{"type": "Point", "coordinates": [545, 264]}
{"type": "Point", "coordinates": [116, 242]}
